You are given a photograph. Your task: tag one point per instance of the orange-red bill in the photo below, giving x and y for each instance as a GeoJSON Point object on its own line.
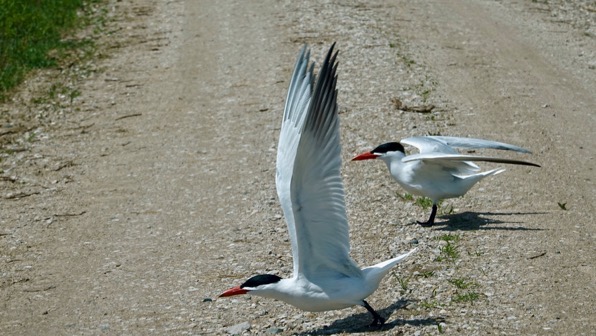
{"type": "Point", "coordinates": [365, 156]}
{"type": "Point", "coordinates": [233, 291]}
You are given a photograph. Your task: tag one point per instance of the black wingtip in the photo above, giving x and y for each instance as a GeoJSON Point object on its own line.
{"type": "Point", "coordinates": [331, 54]}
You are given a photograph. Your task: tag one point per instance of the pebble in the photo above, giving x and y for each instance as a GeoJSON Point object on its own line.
{"type": "Point", "coordinates": [274, 330]}
{"type": "Point", "coordinates": [238, 328]}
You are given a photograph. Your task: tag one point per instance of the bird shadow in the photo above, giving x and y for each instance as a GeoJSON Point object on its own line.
{"type": "Point", "coordinates": [467, 221]}
{"type": "Point", "coordinates": [360, 323]}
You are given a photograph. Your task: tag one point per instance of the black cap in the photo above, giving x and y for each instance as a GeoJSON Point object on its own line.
{"type": "Point", "coordinates": [389, 147]}
{"type": "Point", "coordinates": [261, 279]}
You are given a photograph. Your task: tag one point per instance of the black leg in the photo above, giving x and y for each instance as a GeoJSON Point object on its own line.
{"type": "Point", "coordinates": [431, 219]}
{"type": "Point", "coordinates": [377, 319]}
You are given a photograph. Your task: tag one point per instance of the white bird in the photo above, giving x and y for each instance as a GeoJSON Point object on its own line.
{"type": "Point", "coordinates": [311, 193]}
{"type": "Point", "coordinates": [439, 171]}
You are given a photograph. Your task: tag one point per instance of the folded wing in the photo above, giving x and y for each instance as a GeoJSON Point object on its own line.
{"type": "Point", "coordinates": [464, 143]}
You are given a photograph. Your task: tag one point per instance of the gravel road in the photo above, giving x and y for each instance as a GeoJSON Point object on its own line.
{"type": "Point", "coordinates": [127, 209]}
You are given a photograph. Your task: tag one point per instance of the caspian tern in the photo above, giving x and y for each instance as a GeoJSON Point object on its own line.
{"type": "Point", "coordinates": [439, 171]}
{"type": "Point", "coordinates": [311, 193]}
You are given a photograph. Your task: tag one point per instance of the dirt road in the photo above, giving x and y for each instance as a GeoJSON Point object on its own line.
{"type": "Point", "coordinates": [134, 206]}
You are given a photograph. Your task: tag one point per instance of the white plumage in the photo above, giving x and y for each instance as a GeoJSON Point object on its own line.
{"type": "Point", "coordinates": [311, 193]}
{"type": "Point", "coordinates": [439, 171]}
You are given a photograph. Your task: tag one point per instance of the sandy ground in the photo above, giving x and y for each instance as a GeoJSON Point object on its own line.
{"type": "Point", "coordinates": [127, 210]}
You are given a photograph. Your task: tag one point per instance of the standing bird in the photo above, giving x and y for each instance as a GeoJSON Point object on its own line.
{"type": "Point", "coordinates": [439, 171]}
{"type": "Point", "coordinates": [311, 193]}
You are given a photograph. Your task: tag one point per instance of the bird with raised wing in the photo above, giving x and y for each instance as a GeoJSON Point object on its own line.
{"type": "Point", "coordinates": [311, 193]}
{"type": "Point", "coordinates": [439, 171]}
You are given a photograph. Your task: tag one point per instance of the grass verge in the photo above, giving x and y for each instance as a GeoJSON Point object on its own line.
{"type": "Point", "coordinates": [32, 36]}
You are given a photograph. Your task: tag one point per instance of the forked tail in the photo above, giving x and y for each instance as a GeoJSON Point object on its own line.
{"type": "Point", "coordinates": [374, 274]}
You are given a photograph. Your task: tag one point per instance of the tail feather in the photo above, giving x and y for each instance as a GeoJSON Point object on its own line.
{"type": "Point", "coordinates": [493, 172]}
{"type": "Point", "coordinates": [479, 176]}
{"type": "Point", "coordinates": [374, 274]}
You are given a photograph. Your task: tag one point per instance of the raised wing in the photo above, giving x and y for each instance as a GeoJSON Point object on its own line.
{"type": "Point", "coordinates": [440, 157]}
{"type": "Point", "coordinates": [308, 179]}
{"type": "Point", "coordinates": [465, 143]}
{"type": "Point", "coordinates": [297, 103]}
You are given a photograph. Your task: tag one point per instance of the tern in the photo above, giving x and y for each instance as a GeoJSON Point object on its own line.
{"type": "Point", "coordinates": [439, 171]}
{"type": "Point", "coordinates": [311, 193]}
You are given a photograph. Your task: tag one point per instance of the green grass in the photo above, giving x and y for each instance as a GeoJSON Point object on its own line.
{"type": "Point", "coordinates": [429, 304]}
{"type": "Point", "coordinates": [449, 252]}
{"type": "Point", "coordinates": [467, 297]}
{"type": "Point", "coordinates": [427, 274]}
{"type": "Point", "coordinates": [403, 283]}
{"type": "Point", "coordinates": [32, 36]}
{"type": "Point", "coordinates": [424, 202]}
{"type": "Point", "coordinates": [406, 197]}
{"type": "Point", "coordinates": [462, 283]}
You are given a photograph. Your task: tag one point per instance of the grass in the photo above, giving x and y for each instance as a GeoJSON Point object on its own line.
{"type": "Point", "coordinates": [423, 202]}
{"type": "Point", "coordinates": [462, 283]}
{"type": "Point", "coordinates": [429, 304]}
{"type": "Point", "coordinates": [450, 251]}
{"type": "Point", "coordinates": [403, 283]}
{"type": "Point", "coordinates": [467, 297]}
{"type": "Point", "coordinates": [32, 36]}
{"type": "Point", "coordinates": [406, 197]}
{"type": "Point", "coordinates": [427, 274]}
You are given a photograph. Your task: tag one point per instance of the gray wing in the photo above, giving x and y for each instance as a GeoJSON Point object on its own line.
{"type": "Point", "coordinates": [309, 183]}
{"type": "Point", "coordinates": [295, 110]}
{"type": "Point", "coordinates": [430, 145]}
{"type": "Point", "coordinates": [477, 143]}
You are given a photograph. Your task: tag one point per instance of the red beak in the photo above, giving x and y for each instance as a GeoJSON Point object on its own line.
{"type": "Point", "coordinates": [233, 291]}
{"type": "Point", "coordinates": [365, 156]}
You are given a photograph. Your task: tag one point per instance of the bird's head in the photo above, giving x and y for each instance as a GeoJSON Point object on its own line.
{"type": "Point", "coordinates": [383, 151]}
{"type": "Point", "coordinates": [256, 284]}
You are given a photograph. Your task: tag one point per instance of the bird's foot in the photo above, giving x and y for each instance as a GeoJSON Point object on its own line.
{"type": "Point", "coordinates": [377, 322]}
{"type": "Point", "coordinates": [425, 224]}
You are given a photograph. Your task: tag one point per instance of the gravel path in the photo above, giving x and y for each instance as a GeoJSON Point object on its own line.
{"type": "Point", "coordinates": [127, 210]}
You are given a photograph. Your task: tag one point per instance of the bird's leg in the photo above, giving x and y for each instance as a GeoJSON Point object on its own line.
{"type": "Point", "coordinates": [431, 219]}
{"type": "Point", "coordinates": [378, 320]}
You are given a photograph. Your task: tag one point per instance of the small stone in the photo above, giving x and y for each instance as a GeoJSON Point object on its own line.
{"type": "Point", "coordinates": [412, 305]}
{"type": "Point", "coordinates": [207, 300]}
{"type": "Point", "coordinates": [238, 328]}
{"type": "Point", "coordinates": [274, 330]}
